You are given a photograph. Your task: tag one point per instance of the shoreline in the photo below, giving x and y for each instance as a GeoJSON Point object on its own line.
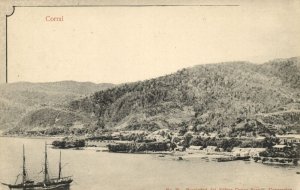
{"type": "Point", "coordinates": [33, 137]}
{"type": "Point", "coordinates": [188, 154]}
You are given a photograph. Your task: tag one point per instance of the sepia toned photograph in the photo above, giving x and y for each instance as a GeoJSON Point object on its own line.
{"type": "Point", "coordinates": [150, 95]}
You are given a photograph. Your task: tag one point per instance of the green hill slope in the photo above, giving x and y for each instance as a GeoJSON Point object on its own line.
{"type": "Point", "coordinates": [19, 99]}
{"type": "Point", "coordinates": [213, 96]}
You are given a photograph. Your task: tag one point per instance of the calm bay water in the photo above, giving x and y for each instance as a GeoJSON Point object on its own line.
{"type": "Point", "coordinates": [112, 171]}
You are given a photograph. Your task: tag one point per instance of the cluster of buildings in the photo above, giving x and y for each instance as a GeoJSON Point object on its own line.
{"type": "Point", "coordinates": [288, 142]}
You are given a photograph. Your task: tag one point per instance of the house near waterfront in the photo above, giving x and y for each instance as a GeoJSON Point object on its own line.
{"type": "Point", "coordinates": [194, 148]}
{"type": "Point", "coordinates": [237, 151]}
{"type": "Point", "coordinates": [260, 138]}
{"type": "Point", "coordinates": [211, 149]}
{"type": "Point", "coordinates": [95, 143]}
{"type": "Point", "coordinates": [281, 147]}
{"type": "Point", "coordinates": [158, 138]}
{"type": "Point", "coordinates": [289, 139]}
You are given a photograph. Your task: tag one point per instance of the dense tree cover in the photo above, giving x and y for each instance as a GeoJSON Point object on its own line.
{"type": "Point", "coordinates": [227, 144]}
{"type": "Point", "coordinates": [69, 143]}
{"type": "Point", "coordinates": [213, 97]}
{"type": "Point", "coordinates": [285, 69]}
{"type": "Point", "coordinates": [284, 154]}
{"type": "Point", "coordinates": [210, 95]}
{"type": "Point", "coordinates": [140, 147]}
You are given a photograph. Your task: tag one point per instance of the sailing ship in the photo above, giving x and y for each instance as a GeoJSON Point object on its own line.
{"type": "Point", "coordinates": [59, 183]}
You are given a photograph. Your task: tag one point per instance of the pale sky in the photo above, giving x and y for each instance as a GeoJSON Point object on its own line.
{"type": "Point", "coordinates": [126, 44]}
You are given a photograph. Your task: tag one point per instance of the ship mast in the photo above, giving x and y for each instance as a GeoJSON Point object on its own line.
{"type": "Point", "coordinates": [59, 166]}
{"type": "Point", "coordinates": [24, 169]}
{"type": "Point", "coordinates": [46, 177]}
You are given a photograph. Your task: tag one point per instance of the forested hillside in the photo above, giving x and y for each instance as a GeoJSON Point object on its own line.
{"type": "Point", "coordinates": [19, 99]}
{"type": "Point", "coordinates": [212, 96]}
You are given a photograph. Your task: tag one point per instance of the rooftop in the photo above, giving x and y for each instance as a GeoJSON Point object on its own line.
{"type": "Point", "coordinates": [279, 146]}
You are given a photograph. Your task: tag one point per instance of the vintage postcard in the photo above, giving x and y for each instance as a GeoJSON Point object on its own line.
{"type": "Point", "coordinates": [150, 95]}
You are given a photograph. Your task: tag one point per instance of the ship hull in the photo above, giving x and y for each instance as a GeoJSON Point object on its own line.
{"type": "Point", "coordinates": [55, 186]}
{"type": "Point", "coordinates": [60, 183]}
